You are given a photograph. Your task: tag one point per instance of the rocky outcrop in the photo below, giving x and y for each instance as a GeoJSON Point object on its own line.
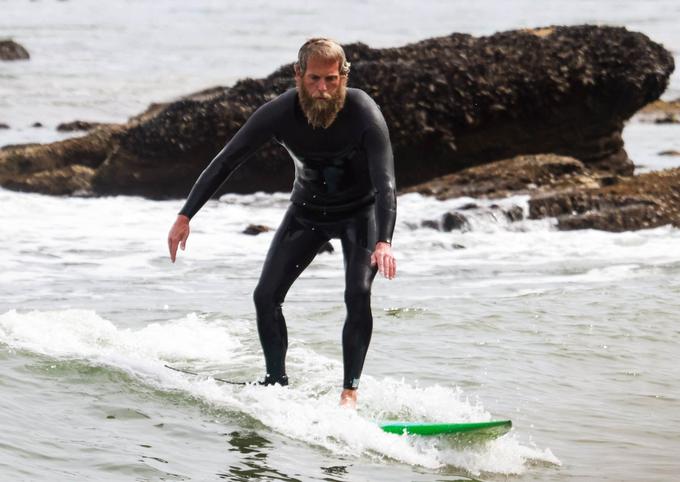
{"type": "Point", "coordinates": [638, 202]}
{"type": "Point", "coordinates": [10, 50]}
{"type": "Point", "coordinates": [450, 103]}
{"type": "Point", "coordinates": [60, 168]}
{"type": "Point", "coordinates": [519, 175]}
{"type": "Point", "coordinates": [562, 188]}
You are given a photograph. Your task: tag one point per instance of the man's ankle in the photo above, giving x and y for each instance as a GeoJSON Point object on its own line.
{"type": "Point", "coordinates": [271, 380]}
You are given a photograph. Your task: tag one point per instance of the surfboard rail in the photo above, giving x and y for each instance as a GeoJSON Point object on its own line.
{"type": "Point", "coordinates": [483, 430]}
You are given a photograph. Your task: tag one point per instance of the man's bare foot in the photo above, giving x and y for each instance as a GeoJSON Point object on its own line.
{"type": "Point", "coordinates": [348, 398]}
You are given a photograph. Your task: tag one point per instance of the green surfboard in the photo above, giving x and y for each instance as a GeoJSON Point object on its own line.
{"type": "Point", "coordinates": [477, 431]}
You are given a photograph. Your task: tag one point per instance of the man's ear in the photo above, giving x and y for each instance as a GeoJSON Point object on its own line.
{"type": "Point", "coordinates": [296, 67]}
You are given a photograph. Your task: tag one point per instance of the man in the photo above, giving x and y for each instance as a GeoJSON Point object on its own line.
{"type": "Point", "coordinates": [344, 188]}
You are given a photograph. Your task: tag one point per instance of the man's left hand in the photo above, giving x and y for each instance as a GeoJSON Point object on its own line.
{"type": "Point", "coordinates": [382, 256]}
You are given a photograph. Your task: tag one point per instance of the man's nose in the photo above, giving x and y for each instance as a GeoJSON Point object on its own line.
{"type": "Point", "coordinates": [322, 85]}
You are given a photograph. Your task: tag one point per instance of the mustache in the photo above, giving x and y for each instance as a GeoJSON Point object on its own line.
{"type": "Point", "coordinates": [321, 109]}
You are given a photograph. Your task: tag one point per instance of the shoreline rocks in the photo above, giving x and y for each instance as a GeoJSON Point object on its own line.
{"type": "Point", "coordinates": [638, 202]}
{"type": "Point", "coordinates": [467, 117]}
{"type": "Point", "coordinates": [450, 102]}
{"type": "Point", "coordinates": [519, 175]}
{"type": "Point", "coordinates": [565, 189]}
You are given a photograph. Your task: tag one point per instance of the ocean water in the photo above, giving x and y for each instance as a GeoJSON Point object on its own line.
{"type": "Point", "coordinates": [572, 335]}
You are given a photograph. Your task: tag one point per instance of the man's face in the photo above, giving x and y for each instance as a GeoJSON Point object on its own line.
{"type": "Point", "coordinates": [322, 91]}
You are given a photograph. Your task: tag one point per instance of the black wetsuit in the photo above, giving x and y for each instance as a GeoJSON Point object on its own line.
{"type": "Point", "coordinates": [344, 188]}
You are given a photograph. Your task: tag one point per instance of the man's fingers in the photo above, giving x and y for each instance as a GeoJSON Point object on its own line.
{"type": "Point", "coordinates": [172, 246]}
{"type": "Point", "coordinates": [389, 267]}
{"type": "Point", "coordinates": [386, 263]}
{"type": "Point", "coordinates": [381, 264]}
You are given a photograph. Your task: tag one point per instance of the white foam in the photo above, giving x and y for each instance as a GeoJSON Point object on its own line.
{"type": "Point", "coordinates": [308, 411]}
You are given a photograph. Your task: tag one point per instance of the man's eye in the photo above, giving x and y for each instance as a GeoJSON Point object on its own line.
{"type": "Point", "coordinates": [315, 78]}
{"type": "Point", "coordinates": [332, 78]}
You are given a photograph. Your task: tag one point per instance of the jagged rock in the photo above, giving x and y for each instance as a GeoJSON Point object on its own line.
{"type": "Point", "coordinates": [639, 202]}
{"type": "Point", "coordinates": [514, 214]}
{"type": "Point", "coordinates": [430, 223]}
{"type": "Point", "coordinates": [450, 103]}
{"type": "Point", "coordinates": [518, 175]}
{"type": "Point", "coordinates": [467, 206]}
{"type": "Point", "coordinates": [10, 50]}
{"type": "Point", "coordinates": [454, 220]}
{"type": "Point", "coordinates": [457, 246]}
{"type": "Point", "coordinates": [255, 229]}
{"type": "Point", "coordinates": [68, 180]}
{"type": "Point", "coordinates": [4, 126]}
{"type": "Point", "coordinates": [669, 153]}
{"type": "Point", "coordinates": [37, 124]}
{"type": "Point", "coordinates": [626, 218]}
{"type": "Point", "coordinates": [19, 165]}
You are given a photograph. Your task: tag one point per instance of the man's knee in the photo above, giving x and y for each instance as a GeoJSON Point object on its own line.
{"type": "Point", "coordinates": [265, 297]}
{"type": "Point", "coordinates": [357, 295]}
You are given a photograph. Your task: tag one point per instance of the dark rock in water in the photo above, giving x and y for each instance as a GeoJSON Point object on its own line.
{"type": "Point", "coordinates": [467, 206]}
{"type": "Point", "coordinates": [457, 246]}
{"type": "Point", "coordinates": [668, 119]}
{"type": "Point", "coordinates": [634, 216]}
{"type": "Point", "coordinates": [638, 202]}
{"type": "Point", "coordinates": [37, 124]}
{"type": "Point", "coordinates": [429, 223]}
{"type": "Point", "coordinates": [10, 50]}
{"type": "Point", "coordinates": [78, 126]}
{"type": "Point", "coordinates": [669, 153]}
{"type": "Point", "coordinates": [450, 102]}
{"type": "Point", "coordinates": [454, 220]}
{"type": "Point", "coordinates": [514, 214]}
{"type": "Point", "coordinates": [4, 126]}
{"type": "Point", "coordinates": [255, 229]}
{"type": "Point", "coordinates": [326, 248]}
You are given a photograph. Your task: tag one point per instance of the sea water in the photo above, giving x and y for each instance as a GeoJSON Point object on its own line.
{"type": "Point", "coordinates": [572, 335]}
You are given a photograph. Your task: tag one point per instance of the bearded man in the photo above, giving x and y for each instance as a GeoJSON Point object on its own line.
{"type": "Point", "coordinates": [344, 188]}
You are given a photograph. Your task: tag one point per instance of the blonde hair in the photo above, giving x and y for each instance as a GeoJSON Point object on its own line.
{"type": "Point", "coordinates": [323, 48]}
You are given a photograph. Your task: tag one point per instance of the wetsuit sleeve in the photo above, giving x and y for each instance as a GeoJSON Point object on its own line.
{"type": "Point", "coordinates": [257, 130]}
{"type": "Point", "coordinates": [381, 167]}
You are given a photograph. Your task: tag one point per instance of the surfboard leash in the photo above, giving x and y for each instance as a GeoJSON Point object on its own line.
{"type": "Point", "coordinates": [217, 379]}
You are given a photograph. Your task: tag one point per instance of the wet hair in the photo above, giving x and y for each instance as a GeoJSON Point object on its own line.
{"type": "Point", "coordinates": [324, 48]}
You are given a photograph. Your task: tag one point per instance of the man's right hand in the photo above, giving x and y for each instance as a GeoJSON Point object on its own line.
{"type": "Point", "coordinates": [179, 232]}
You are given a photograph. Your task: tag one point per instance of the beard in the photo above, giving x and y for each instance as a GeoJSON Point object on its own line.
{"type": "Point", "coordinates": [321, 112]}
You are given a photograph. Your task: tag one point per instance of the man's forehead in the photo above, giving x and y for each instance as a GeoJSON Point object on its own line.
{"type": "Point", "coordinates": [316, 62]}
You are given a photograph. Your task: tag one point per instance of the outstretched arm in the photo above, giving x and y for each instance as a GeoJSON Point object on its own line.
{"type": "Point", "coordinates": [257, 130]}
